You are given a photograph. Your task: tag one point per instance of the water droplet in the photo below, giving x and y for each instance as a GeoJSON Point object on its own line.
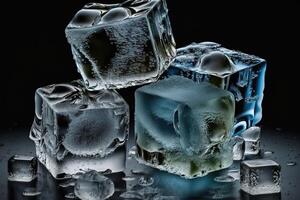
{"type": "Point", "coordinates": [234, 174]}
{"type": "Point", "coordinates": [131, 195]}
{"type": "Point", "coordinates": [68, 183]}
{"type": "Point", "coordinates": [70, 196]}
{"type": "Point", "coordinates": [31, 192]}
{"type": "Point", "coordinates": [146, 181]}
{"type": "Point", "coordinates": [291, 163]}
{"type": "Point", "coordinates": [138, 172]}
{"type": "Point", "coordinates": [84, 106]}
{"type": "Point", "coordinates": [128, 178]}
{"type": "Point", "coordinates": [268, 153]}
{"type": "Point", "coordinates": [224, 179]}
{"type": "Point", "coordinates": [63, 176]}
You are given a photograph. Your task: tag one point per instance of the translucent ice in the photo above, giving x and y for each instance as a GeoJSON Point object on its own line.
{"type": "Point", "coordinates": [75, 129]}
{"type": "Point", "coordinates": [121, 45]}
{"type": "Point", "coordinates": [238, 148]}
{"type": "Point", "coordinates": [260, 177]}
{"type": "Point", "coordinates": [94, 186]}
{"type": "Point", "coordinates": [184, 127]}
{"type": "Point", "coordinates": [252, 140]}
{"type": "Point", "coordinates": [240, 73]}
{"type": "Point", "coordinates": [22, 168]}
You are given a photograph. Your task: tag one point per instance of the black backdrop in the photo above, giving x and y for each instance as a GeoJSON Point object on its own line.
{"type": "Point", "coordinates": [34, 51]}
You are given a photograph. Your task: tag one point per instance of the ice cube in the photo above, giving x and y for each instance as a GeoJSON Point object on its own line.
{"type": "Point", "coordinates": [75, 129]}
{"type": "Point", "coordinates": [240, 73]}
{"type": "Point", "coordinates": [94, 186]}
{"type": "Point", "coordinates": [238, 148]}
{"type": "Point", "coordinates": [260, 177]}
{"type": "Point", "coordinates": [252, 140]}
{"type": "Point", "coordinates": [22, 168]}
{"type": "Point", "coordinates": [184, 127]}
{"type": "Point", "coordinates": [121, 45]}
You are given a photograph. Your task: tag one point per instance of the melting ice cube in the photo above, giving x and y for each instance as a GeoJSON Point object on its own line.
{"type": "Point", "coordinates": [94, 186]}
{"type": "Point", "coordinates": [121, 45]}
{"type": "Point", "coordinates": [75, 129]}
{"type": "Point", "coordinates": [22, 168]}
{"type": "Point", "coordinates": [260, 177]}
{"type": "Point", "coordinates": [184, 127]}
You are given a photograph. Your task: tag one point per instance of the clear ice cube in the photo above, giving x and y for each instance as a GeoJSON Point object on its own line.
{"type": "Point", "coordinates": [94, 186]}
{"type": "Point", "coordinates": [252, 140]}
{"type": "Point", "coordinates": [184, 127]}
{"type": "Point", "coordinates": [237, 72]}
{"type": "Point", "coordinates": [75, 129]}
{"type": "Point", "coordinates": [22, 168]}
{"type": "Point", "coordinates": [260, 177]}
{"type": "Point", "coordinates": [238, 148]}
{"type": "Point", "coordinates": [121, 45]}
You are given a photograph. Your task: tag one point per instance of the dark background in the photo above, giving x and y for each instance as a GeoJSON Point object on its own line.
{"type": "Point", "coordinates": [35, 52]}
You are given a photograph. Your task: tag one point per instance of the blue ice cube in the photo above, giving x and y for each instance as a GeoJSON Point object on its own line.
{"type": "Point", "coordinates": [183, 127]}
{"type": "Point", "coordinates": [237, 72]}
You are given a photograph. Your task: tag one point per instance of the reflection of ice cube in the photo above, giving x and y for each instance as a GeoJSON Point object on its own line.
{"type": "Point", "coordinates": [260, 177]}
{"type": "Point", "coordinates": [93, 186]}
{"type": "Point", "coordinates": [121, 45]}
{"type": "Point", "coordinates": [76, 129]}
{"type": "Point", "coordinates": [240, 73]}
{"type": "Point", "coordinates": [238, 148]}
{"type": "Point", "coordinates": [22, 168]}
{"type": "Point", "coordinates": [252, 140]}
{"type": "Point", "coordinates": [183, 127]}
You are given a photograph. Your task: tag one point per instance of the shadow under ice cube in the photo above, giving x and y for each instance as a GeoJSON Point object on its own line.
{"type": "Point", "coordinates": [260, 177]}
{"type": "Point", "coordinates": [184, 127]}
{"type": "Point", "coordinates": [22, 168]}
{"type": "Point", "coordinates": [75, 129]}
{"type": "Point", "coordinates": [121, 45]}
{"type": "Point", "coordinates": [237, 72]}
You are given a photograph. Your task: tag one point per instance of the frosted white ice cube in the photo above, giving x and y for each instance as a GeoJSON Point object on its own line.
{"type": "Point", "coordinates": [75, 129]}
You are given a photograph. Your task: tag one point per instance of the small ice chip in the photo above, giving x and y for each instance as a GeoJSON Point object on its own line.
{"type": "Point", "coordinates": [260, 177]}
{"type": "Point", "coordinates": [252, 140]}
{"type": "Point", "coordinates": [22, 168]}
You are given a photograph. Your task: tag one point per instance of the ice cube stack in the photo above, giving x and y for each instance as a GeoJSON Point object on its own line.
{"type": "Point", "coordinates": [204, 105]}
{"type": "Point", "coordinates": [84, 124]}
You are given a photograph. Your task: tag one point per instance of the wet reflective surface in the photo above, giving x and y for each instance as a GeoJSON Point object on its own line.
{"type": "Point", "coordinates": [147, 183]}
